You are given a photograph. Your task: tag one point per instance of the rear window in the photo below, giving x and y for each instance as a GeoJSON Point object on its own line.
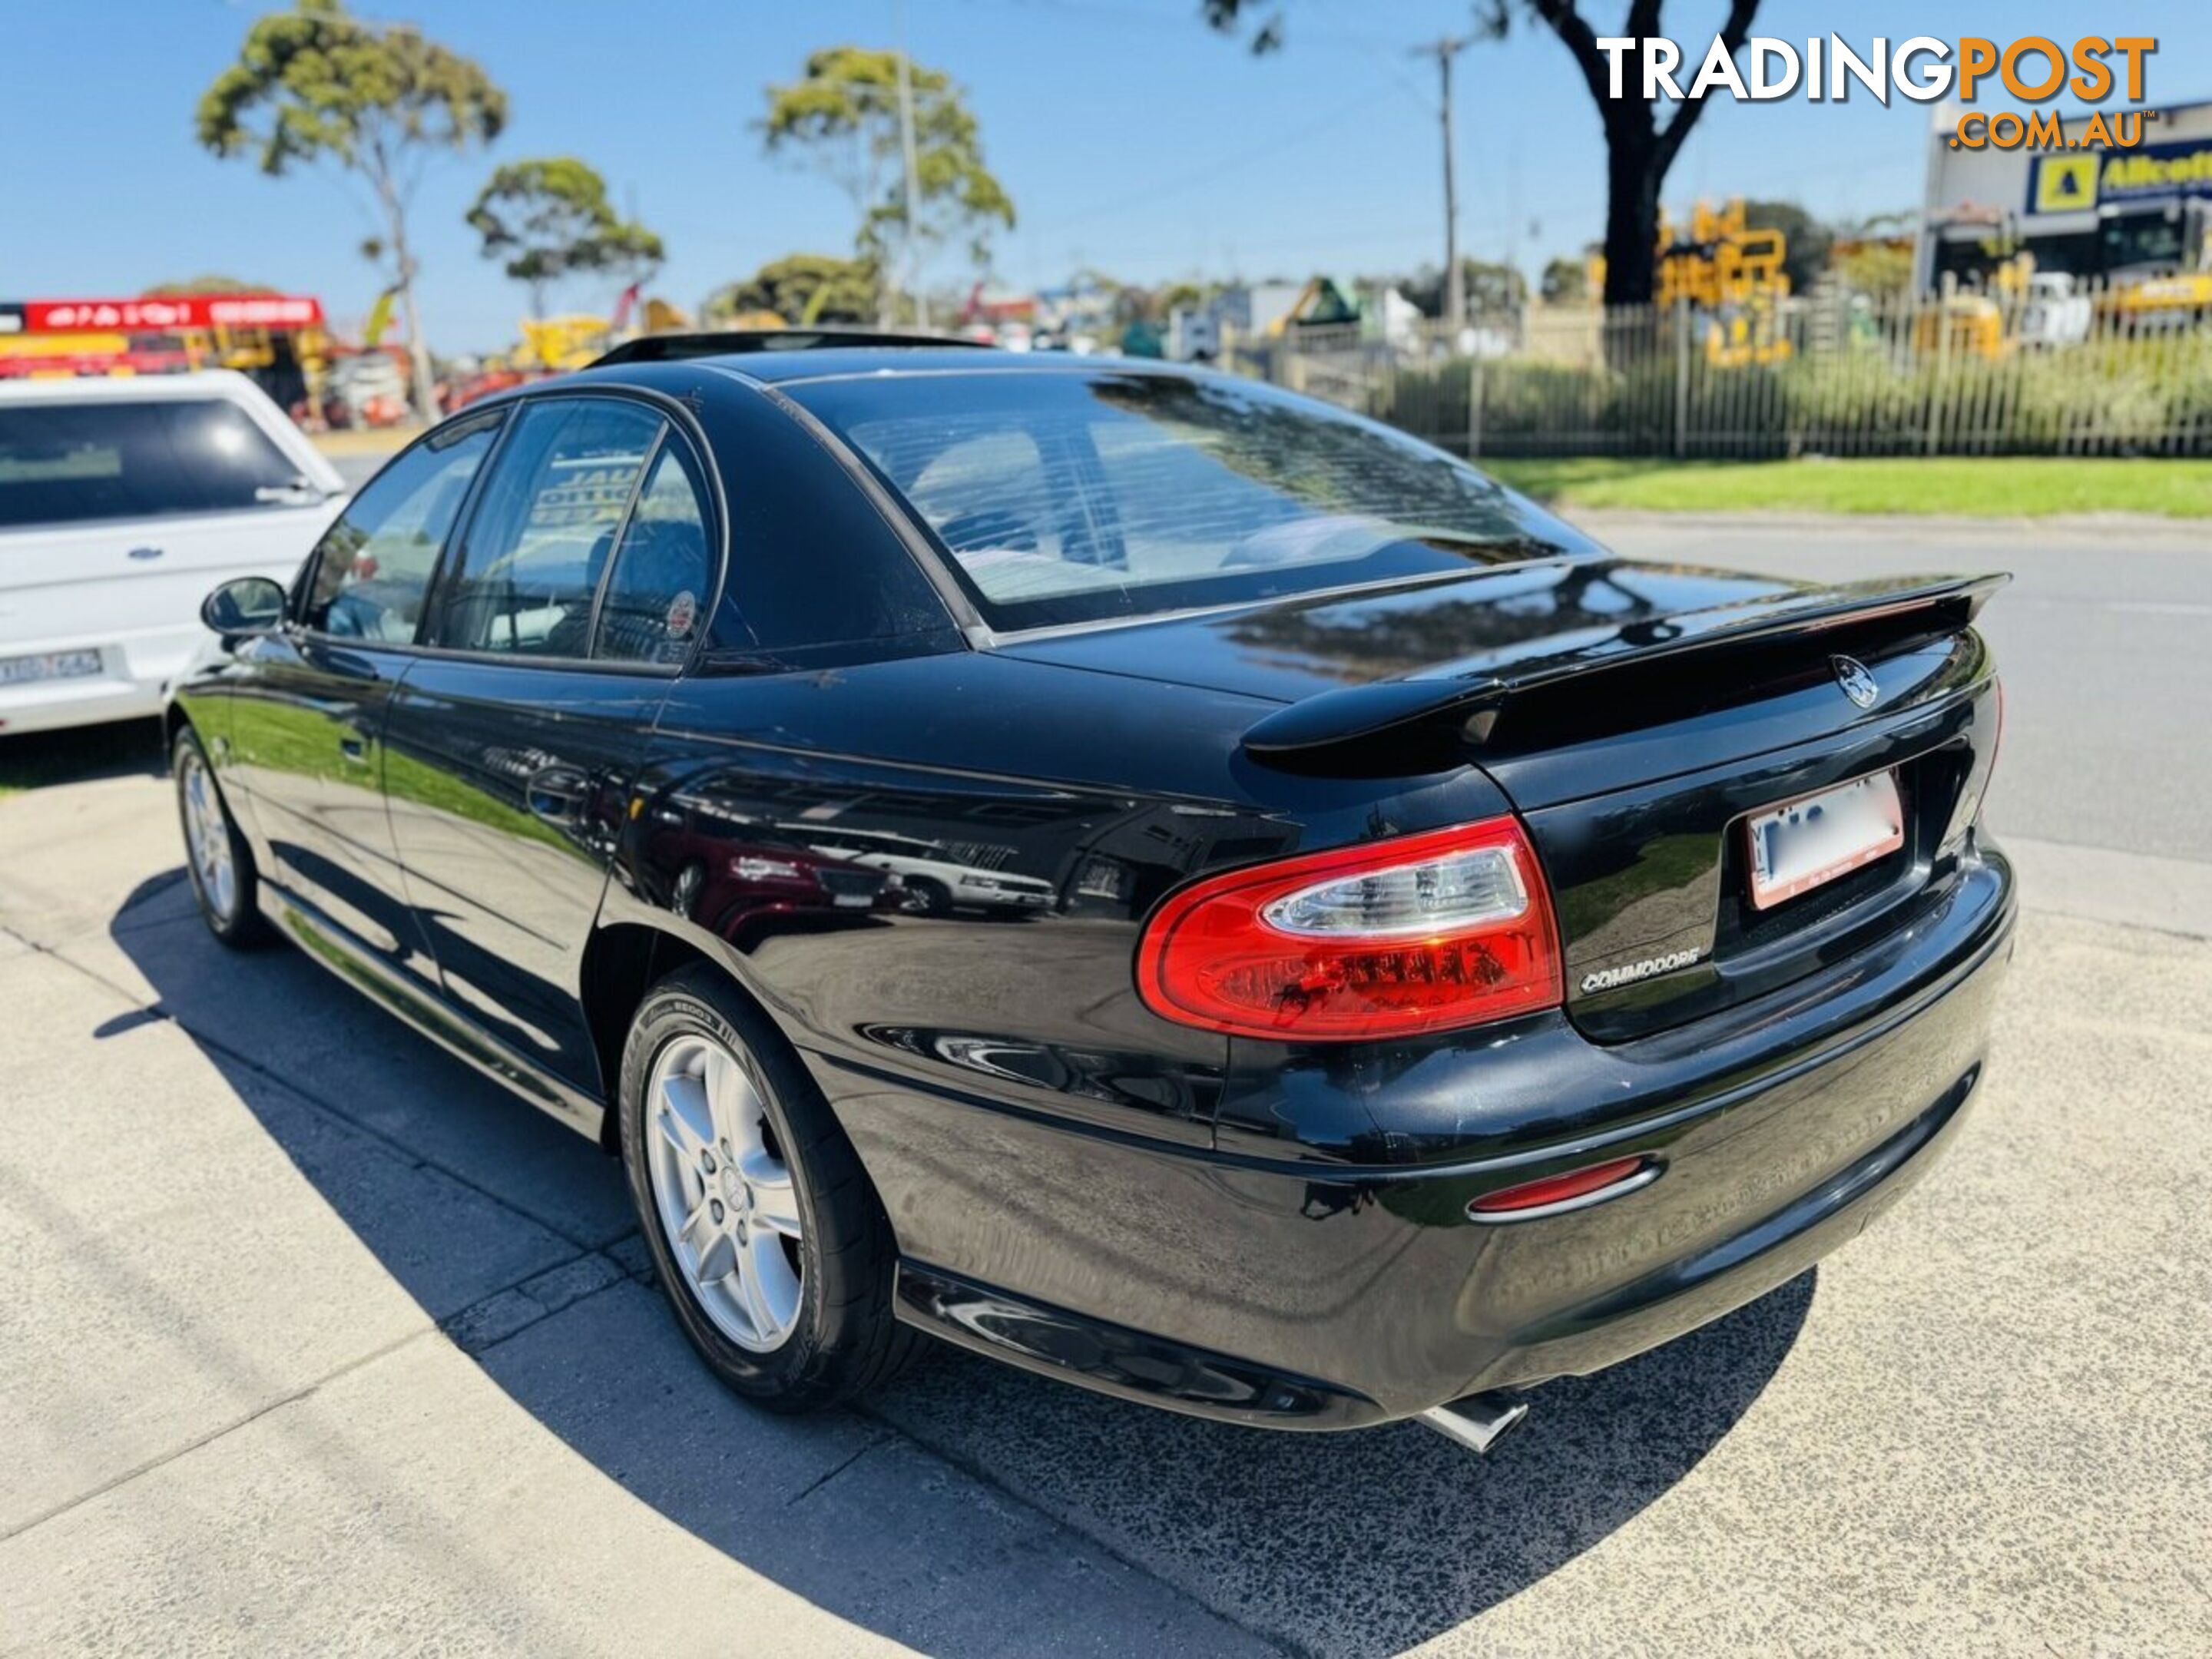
{"type": "Point", "coordinates": [70, 463]}
{"type": "Point", "coordinates": [1068, 498]}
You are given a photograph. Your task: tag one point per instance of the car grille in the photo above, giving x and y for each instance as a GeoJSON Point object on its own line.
{"type": "Point", "coordinates": [851, 884]}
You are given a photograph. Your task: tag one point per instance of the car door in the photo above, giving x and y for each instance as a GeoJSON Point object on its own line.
{"type": "Point", "coordinates": [560, 619]}
{"type": "Point", "coordinates": [303, 750]}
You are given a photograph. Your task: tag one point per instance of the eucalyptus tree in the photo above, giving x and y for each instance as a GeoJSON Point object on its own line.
{"type": "Point", "coordinates": [317, 86]}
{"type": "Point", "coordinates": [550, 218]}
{"type": "Point", "coordinates": [843, 116]}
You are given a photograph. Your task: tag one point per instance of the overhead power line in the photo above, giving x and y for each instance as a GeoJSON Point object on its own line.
{"type": "Point", "coordinates": [1272, 149]}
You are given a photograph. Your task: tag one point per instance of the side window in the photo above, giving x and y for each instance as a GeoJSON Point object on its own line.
{"type": "Point", "coordinates": [664, 575]}
{"type": "Point", "coordinates": [373, 565]}
{"type": "Point", "coordinates": [538, 544]}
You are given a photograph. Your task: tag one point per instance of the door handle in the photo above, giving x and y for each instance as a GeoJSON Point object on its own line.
{"type": "Point", "coordinates": [558, 794]}
{"type": "Point", "coordinates": [354, 750]}
{"type": "Point", "coordinates": [146, 552]}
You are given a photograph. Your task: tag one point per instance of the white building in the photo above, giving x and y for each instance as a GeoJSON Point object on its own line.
{"type": "Point", "coordinates": [2087, 212]}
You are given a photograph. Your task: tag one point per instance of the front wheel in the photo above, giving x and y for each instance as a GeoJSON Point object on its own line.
{"type": "Point", "coordinates": [764, 1231]}
{"type": "Point", "coordinates": [216, 858]}
{"type": "Point", "coordinates": [922, 897]}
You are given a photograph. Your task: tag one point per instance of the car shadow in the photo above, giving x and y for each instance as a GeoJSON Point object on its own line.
{"type": "Point", "coordinates": [1360, 1543]}
{"type": "Point", "coordinates": [35, 760]}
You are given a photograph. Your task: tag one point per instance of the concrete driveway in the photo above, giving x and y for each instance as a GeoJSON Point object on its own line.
{"type": "Point", "coordinates": [311, 1341]}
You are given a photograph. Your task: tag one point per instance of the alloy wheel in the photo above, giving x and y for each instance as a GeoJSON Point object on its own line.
{"type": "Point", "coordinates": [727, 1203]}
{"type": "Point", "coordinates": [207, 839]}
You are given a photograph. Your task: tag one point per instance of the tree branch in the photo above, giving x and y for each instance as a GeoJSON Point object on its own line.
{"type": "Point", "coordinates": [1672, 134]}
{"type": "Point", "coordinates": [1581, 41]}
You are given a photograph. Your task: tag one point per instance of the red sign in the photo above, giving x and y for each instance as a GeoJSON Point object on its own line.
{"type": "Point", "coordinates": [165, 316]}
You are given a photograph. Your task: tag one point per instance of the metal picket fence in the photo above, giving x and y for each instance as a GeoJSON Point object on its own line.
{"type": "Point", "coordinates": [2120, 370]}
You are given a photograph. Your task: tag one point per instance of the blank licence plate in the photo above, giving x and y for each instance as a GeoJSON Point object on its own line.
{"type": "Point", "coordinates": [53, 666]}
{"type": "Point", "coordinates": [1800, 844]}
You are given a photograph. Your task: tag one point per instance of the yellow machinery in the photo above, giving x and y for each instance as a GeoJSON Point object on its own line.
{"type": "Point", "coordinates": [1973, 322]}
{"type": "Point", "coordinates": [557, 345]}
{"type": "Point", "coordinates": [250, 349]}
{"type": "Point", "coordinates": [2179, 296]}
{"type": "Point", "coordinates": [1718, 260]}
{"type": "Point", "coordinates": [1322, 302]}
{"type": "Point", "coordinates": [1731, 273]}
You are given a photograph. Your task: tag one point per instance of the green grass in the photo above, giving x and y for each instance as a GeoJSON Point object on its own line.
{"type": "Point", "coordinates": [303, 743]}
{"type": "Point", "coordinates": [2002, 487]}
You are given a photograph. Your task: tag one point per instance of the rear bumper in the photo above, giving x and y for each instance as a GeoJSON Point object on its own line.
{"type": "Point", "coordinates": [1313, 1291]}
{"type": "Point", "coordinates": [135, 671]}
{"type": "Point", "coordinates": [50, 705]}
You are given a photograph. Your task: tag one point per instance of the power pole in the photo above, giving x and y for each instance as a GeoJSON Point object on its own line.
{"type": "Point", "coordinates": [912, 281]}
{"type": "Point", "coordinates": [1455, 279]}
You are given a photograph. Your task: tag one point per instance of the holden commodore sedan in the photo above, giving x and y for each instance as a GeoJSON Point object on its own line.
{"type": "Point", "coordinates": [1465, 957]}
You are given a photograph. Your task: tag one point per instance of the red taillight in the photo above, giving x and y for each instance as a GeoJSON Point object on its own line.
{"type": "Point", "coordinates": [1596, 1180]}
{"type": "Point", "coordinates": [1422, 933]}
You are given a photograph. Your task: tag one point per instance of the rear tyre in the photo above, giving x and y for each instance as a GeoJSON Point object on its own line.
{"type": "Point", "coordinates": [217, 860]}
{"type": "Point", "coordinates": [765, 1233]}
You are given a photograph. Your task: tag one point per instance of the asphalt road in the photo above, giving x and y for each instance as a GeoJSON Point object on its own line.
{"type": "Point", "coordinates": [314, 1341]}
{"type": "Point", "coordinates": [2104, 638]}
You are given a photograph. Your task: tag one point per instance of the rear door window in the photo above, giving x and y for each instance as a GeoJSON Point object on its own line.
{"type": "Point", "coordinates": [538, 546]}
{"type": "Point", "coordinates": [657, 595]}
{"type": "Point", "coordinates": [373, 567]}
{"type": "Point", "coordinates": [76, 463]}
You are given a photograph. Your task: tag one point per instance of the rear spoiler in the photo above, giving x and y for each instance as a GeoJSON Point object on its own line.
{"type": "Point", "coordinates": [682, 347]}
{"type": "Point", "coordinates": [1428, 724]}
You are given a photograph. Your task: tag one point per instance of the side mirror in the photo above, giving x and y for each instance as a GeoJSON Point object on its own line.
{"type": "Point", "coordinates": [243, 606]}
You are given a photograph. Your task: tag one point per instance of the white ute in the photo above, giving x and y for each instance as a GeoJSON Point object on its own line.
{"type": "Point", "coordinates": [123, 502]}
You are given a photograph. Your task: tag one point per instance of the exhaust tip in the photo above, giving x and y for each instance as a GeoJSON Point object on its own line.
{"type": "Point", "coordinates": [1478, 1422]}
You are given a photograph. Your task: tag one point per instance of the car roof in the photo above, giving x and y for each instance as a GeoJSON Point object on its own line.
{"type": "Point", "coordinates": [129, 388]}
{"type": "Point", "coordinates": [828, 362]}
{"type": "Point", "coordinates": [846, 362]}
{"type": "Point", "coordinates": [691, 345]}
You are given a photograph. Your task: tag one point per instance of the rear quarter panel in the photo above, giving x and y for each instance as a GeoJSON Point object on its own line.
{"type": "Point", "coordinates": [1114, 790]}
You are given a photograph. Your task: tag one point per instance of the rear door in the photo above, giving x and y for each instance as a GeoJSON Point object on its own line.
{"type": "Point", "coordinates": [559, 622]}
{"type": "Point", "coordinates": [304, 750]}
{"type": "Point", "coordinates": [118, 515]}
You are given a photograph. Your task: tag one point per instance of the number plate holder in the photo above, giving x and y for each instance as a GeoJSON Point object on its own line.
{"type": "Point", "coordinates": [1798, 845]}
{"type": "Point", "coordinates": [49, 666]}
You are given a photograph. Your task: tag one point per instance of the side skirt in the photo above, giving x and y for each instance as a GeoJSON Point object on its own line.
{"type": "Point", "coordinates": [328, 944]}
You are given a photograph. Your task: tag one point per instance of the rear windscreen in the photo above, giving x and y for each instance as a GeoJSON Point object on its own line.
{"type": "Point", "coordinates": [70, 463]}
{"type": "Point", "coordinates": [1069, 497]}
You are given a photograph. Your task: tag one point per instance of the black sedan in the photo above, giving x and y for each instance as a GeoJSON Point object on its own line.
{"type": "Point", "coordinates": [1393, 952]}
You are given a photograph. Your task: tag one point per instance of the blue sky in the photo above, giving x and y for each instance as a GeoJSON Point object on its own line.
{"type": "Point", "coordinates": [1130, 137]}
